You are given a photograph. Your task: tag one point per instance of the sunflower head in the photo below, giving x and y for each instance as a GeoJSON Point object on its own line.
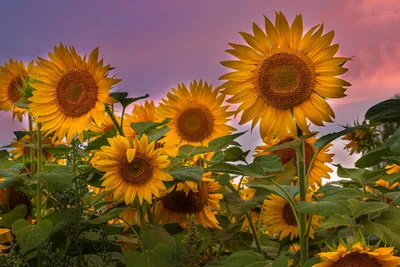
{"type": "Point", "coordinates": [72, 92]}
{"type": "Point", "coordinates": [132, 169]}
{"type": "Point", "coordinates": [280, 220]}
{"type": "Point", "coordinates": [358, 256]}
{"type": "Point", "coordinates": [283, 78]}
{"type": "Point", "coordinates": [197, 115]}
{"type": "Point", "coordinates": [188, 198]}
{"type": "Point", "coordinates": [362, 140]}
{"type": "Point", "coordinates": [288, 158]}
{"type": "Point", "coordinates": [140, 113]}
{"type": "Point", "coordinates": [12, 76]}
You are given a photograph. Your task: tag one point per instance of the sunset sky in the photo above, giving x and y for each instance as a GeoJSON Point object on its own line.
{"type": "Point", "coordinates": [156, 44]}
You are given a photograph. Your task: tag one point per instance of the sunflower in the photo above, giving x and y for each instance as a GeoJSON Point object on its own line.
{"type": "Point", "coordinates": [288, 156]}
{"type": "Point", "coordinates": [4, 233]}
{"type": "Point", "coordinates": [140, 113]}
{"type": "Point", "coordinates": [284, 78]}
{"type": "Point", "coordinates": [279, 217]}
{"type": "Point", "coordinates": [72, 92]}
{"type": "Point", "coordinates": [131, 171]}
{"type": "Point", "coordinates": [392, 168]}
{"type": "Point", "coordinates": [197, 115]}
{"type": "Point", "coordinates": [11, 82]}
{"type": "Point", "coordinates": [188, 198]}
{"type": "Point", "coordinates": [359, 256]}
{"type": "Point", "coordinates": [361, 140]}
{"type": "Point", "coordinates": [105, 126]}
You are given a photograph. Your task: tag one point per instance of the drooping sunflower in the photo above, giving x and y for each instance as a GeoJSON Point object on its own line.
{"type": "Point", "coordinates": [197, 114]}
{"type": "Point", "coordinates": [358, 256]}
{"type": "Point", "coordinates": [186, 198]}
{"type": "Point", "coordinates": [140, 113]}
{"type": "Point", "coordinates": [361, 140]}
{"type": "Point", "coordinates": [11, 75]}
{"type": "Point", "coordinates": [131, 171]}
{"type": "Point", "coordinates": [288, 156]}
{"type": "Point", "coordinates": [280, 219]}
{"type": "Point", "coordinates": [284, 78]}
{"type": "Point", "coordinates": [72, 92]}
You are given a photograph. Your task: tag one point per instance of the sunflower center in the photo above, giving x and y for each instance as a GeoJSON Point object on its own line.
{"type": "Point", "coordinates": [287, 154]}
{"type": "Point", "coordinates": [138, 171]}
{"type": "Point", "coordinates": [288, 215]}
{"type": "Point", "coordinates": [285, 79]}
{"type": "Point", "coordinates": [13, 92]}
{"type": "Point", "coordinates": [356, 259]}
{"type": "Point", "coordinates": [178, 201]}
{"type": "Point", "coordinates": [195, 124]}
{"type": "Point", "coordinates": [77, 93]}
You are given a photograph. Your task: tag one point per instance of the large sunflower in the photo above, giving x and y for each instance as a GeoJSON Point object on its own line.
{"type": "Point", "coordinates": [140, 113]}
{"type": "Point", "coordinates": [288, 156]}
{"type": "Point", "coordinates": [358, 256]}
{"type": "Point", "coordinates": [72, 94]}
{"type": "Point", "coordinates": [283, 77]}
{"type": "Point", "coordinates": [279, 217]}
{"type": "Point", "coordinates": [188, 198]}
{"type": "Point", "coordinates": [197, 115]}
{"type": "Point", "coordinates": [11, 75]}
{"type": "Point", "coordinates": [131, 171]}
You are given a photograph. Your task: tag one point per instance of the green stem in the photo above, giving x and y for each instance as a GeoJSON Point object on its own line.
{"type": "Point", "coordinates": [255, 234]}
{"type": "Point", "coordinates": [122, 117]}
{"type": "Point", "coordinates": [32, 151]}
{"type": "Point", "coordinates": [290, 200]}
{"type": "Point", "coordinates": [39, 169]}
{"type": "Point", "coordinates": [219, 251]}
{"type": "Point", "coordinates": [114, 120]}
{"type": "Point", "coordinates": [136, 233]}
{"type": "Point", "coordinates": [301, 169]}
{"type": "Point", "coordinates": [141, 220]}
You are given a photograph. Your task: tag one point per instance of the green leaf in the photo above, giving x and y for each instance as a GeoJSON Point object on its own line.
{"type": "Point", "coordinates": [323, 208]}
{"type": "Point", "coordinates": [19, 212]}
{"type": "Point", "coordinates": [144, 127]}
{"type": "Point", "coordinates": [60, 219]}
{"type": "Point", "coordinates": [216, 157]}
{"type": "Point", "coordinates": [59, 150]}
{"type": "Point", "coordinates": [223, 179]}
{"type": "Point", "coordinates": [270, 163]}
{"type": "Point", "coordinates": [336, 221]}
{"type": "Point", "coordinates": [102, 140]}
{"type": "Point", "coordinates": [187, 151]}
{"type": "Point", "coordinates": [127, 101]}
{"type": "Point", "coordinates": [383, 232]}
{"type": "Point", "coordinates": [119, 95]}
{"type": "Point", "coordinates": [349, 173]}
{"type": "Point", "coordinates": [386, 111]}
{"type": "Point", "coordinates": [156, 134]}
{"type": "Point", "coordinates": [373, 158]}
{"type": "Point", "coordinates": [336, 194]}
{"type": "Point", "coordinates": [245, 258]}
{"type": "Point", "coordinates": [224, 167]}
{"type": "Point", "coordinates": [311, 262]}
{"type": "Point", "coordinates": [393, 159]}
{"type": "Point", "coordinates": [359, 208]}
{"type": "Point", "coordinates": [326, 139]}
{"type": "Point", "coordinates": [155, 234]}
{"type": "Point", "coordinates": [30, 236]}
{"type": "Point", "coordinates": [5, 161]}
{"type": "Point", "coordinates": [223, 141]}
{"type": "Point", "coordinates": [188, 173]}
{"type": "Point", "coordinates": [253, 170]}
{"type": "Point", "coordinates": [21, 134]}
{"type": "Point", "coordinates": [291, 190]}
{"type": "Point", "coordinates": [292, 144]}
{"type": "Point", "coordinates": [61, 175]}
{"type": "Point", "coordinates": [234, 154]}
{"type": "Point", "coordinates": [112, 214]}
{"type": "Point", "coordinates": [237, 206]}
{"type": "Point", "coordinates": [282, 260]}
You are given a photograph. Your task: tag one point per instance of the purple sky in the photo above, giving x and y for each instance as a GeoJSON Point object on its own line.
{"type": "Point", "coordinates": [156, 44]}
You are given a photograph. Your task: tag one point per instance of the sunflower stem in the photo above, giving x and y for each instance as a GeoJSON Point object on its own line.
{"type": "Point", "coordinates": [141, 220]}
{"type": "Point", "coordinates": [39, 169]}
{"type": "Point", "coordinates": [114, 120]}
{"type": "Point", "coordinates": [255, 233]}
{"type": "Point", "coordinates": [32, 151]}
{"type": "Point", "coordinates": [302, 216]}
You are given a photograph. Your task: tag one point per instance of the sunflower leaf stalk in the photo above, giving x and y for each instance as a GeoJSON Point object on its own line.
{"type": "Point", "coordinates": [39, 169]}
{"type": "Point", "coordinates": [114, 120]}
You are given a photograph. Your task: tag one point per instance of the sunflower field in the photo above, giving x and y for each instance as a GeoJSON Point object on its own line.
{"type": "Point", "coordinates": [102, 178]}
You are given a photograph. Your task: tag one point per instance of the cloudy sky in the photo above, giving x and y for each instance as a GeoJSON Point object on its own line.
{"type": "Point", "coordinates": [156, 44]}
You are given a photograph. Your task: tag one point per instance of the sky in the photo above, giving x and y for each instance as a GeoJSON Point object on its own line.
{"type": "Point", "coordinates": [155, 45]}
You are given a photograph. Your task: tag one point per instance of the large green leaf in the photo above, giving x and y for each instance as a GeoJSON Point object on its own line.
{"type": "Point", "coordinates": [383, 232]}
{"type": "Point", "coordinates": [235, 154]}
{"type": "Point", "coordinates": [59, 150]}
{"type": "Point", "coordinates": [9, 218]}
{"type": "Point", "coordinates": [245, 258]}
{"type": "Point", "coordinates": [237, 206]}
{"type": "Point", "coordinates": [323, 208]}
{"type": "Point", "coordinates": [62, 218]}
{"type": "Point", "coordinates": [154, 234]}
{"type": "Point", "coordinates": [102, 140]}
{"type": "Point", "coordinates": [188, 173]}
{"type": "Point", "coordinates": [29, 236]}
{"type": "Point", "coordinates": [281, 190]}
{"type": "Point", "coordinates": [336, 221]}
{"type": "Point", "coordinates": [223, 141]}
{"type": "Point", "coordinates": [326, 139]}
{"type": "Point", "coordinates": [282, 260]}
{"type": "Point", "coordinates": [270, 163]}
{"type": "Point", "coordinates": [187, 151]}
{"type": "Point", "coordinates": [144, 127]}
{"type": "Point", "coordinates": [386, 111]}
{"type": "Point", "coordinates": [61, 175]}
{"type": "Point", "coordinates": [359, 208]}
